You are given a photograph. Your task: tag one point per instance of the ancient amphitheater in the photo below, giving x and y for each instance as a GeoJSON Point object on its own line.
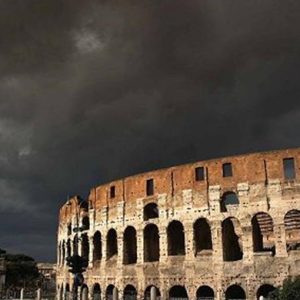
{"type": "Point", "coordinates": [226, 228]}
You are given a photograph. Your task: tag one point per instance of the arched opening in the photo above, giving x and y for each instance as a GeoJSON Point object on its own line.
{"type": "Point", "coordinates": [150, 211]}
{"type": "Point", "coordinates": [67, 292]}
{"type": "Point", "coordinates": [262, 233]}
{"type": "Point", "coordinates": [151, 243]}
{"type": "Point", "coordinates": [129, 240]}
{"type": "Point", "coordinates": [176, 243]}
{"type": "Point", "coordinates": [229, 199]}
{"type": "Point", "coordinates": [96, 292]}
{"type": "Point", "coordinates": [292, 229]}
{"type": "Point", "coordinates": [205, 292]}
{"type": "Point", "coordinates": [235, 292]}
{"type": "Point", "coordinates": [75, 244]}
{"type": "Point", "coordinates": [202, 236]}
{"type": "Point", "coordinates": [264, 291]}
{"type": "Point", "coordinates": [147, 293]}
{"type": "Point", "coordinates": [130, 292]}
{"type": "Point", "coordinates": [178, 291]}
{"type": "Point", "coordinates": [111, 244]}
{"type": "Point", "coordinates": [109, 292]}
{"type": "Point", "coordinates": [84, 206]}
{"type": "Point", "coordinates": [84, 292]}
{"type": "Point", "coordinates": [232, 244]}
{"type": "Point", "coordinates": [85, 248]}
{"type": "Point", "coordinates": [69, 229]}
{"type": "Point", "coordinates": [86, 223]}
{"type": "Point", "coordinates": [63, 252]}
{"type": "Point", "coordinates": [69, 248]}
{"type": "Point", "coordinates": [97, 254]}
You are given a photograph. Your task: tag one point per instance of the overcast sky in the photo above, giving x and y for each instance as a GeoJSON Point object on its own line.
{"type": "Point", "coordinates": [91, 91]}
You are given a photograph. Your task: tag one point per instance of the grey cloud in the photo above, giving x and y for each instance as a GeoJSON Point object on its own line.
{"type": "Point", "coordinates": [95, 90]}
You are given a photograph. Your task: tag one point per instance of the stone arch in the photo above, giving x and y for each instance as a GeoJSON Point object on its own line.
{"type": "Point", "coordinates": [85, 247]}
{"type": "Point", "coordinates": [292, 229]}
{"type": "Point", "coordinates": [235, 292]}
{"type": "Point", "coordinates": [232, 244]}
{"type": "Point", "coordinates": [109, 292]}
{"type": "Point", "coordinates": [96, 292]}
{"type": "Point", "coordinates": [86, 223]}
{"type": "Point", "coordinates": [228, 199]}
{"type": "Point", "coordinates": [130, 292]}
{"type": "Point", "coordinates": [84, 293]}
{"type": "Point", "coordinates": [111, 244]}
{"type": "Point", "coordinates": [264, 291]}
{"type": "Point", "coordinates": [205, 292]}
{"type": "Point", "coordinates": [97, 242]}
{"type": "Point", "coordinates": [202, 236]}
{"type": "Point", "coordinates": [263, 232]}
{"type": "Point", "coordinates": [151, 243]}
{"type": "Point", "coordinates": [178, 291]}
{"type": "Point", "coordinates": [151, 211]}
{"type": "Point", "coordinates": [148, 292]}
{"type": "Point", "coordinates": [176, 240]}
{"type": "Point", "coordinates": [130, 246]}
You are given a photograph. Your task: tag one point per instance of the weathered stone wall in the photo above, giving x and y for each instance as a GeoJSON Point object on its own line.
{"type": "Point", "coordinates": [258, 185]}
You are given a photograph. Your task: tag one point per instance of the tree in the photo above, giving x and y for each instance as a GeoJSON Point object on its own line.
{"type": "Point", "coordinates": [21, 270]}
{"type": "Point", "coordinates": [289, 291]}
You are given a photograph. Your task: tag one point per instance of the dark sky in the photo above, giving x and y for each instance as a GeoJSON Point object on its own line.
{"type": "Point", "coordinates": [96, 90]}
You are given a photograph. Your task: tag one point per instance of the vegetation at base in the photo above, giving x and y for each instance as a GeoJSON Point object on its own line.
{"type": "Point", "coordinates": [21, 270]}
{"type": "Point", "coordinates": [289, 291]}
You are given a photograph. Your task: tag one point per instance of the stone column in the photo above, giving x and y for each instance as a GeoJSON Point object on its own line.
{"type": "Point", "coordinates": [189, 241]}
{"type": "Point", "coordinates": [91, 251]}
{"type": "Point", "coordinates": [247, 239]}
{"type": "Point", "coordinates": [153, 293]}
{"type": "Point", "coordinates": [214, 195]}
{"type": "Point", "coordinates": [120, 248]}
{"type": "Point", "coordinates": [115, 294]}
{"type": "Point", "coordinates": [216, 232]}
{"type": "Point", "coordinates": [104, 245]}
{"type": "Point", "coordinates": [280, 239]}
{"type": "Point", "coordinates": [140, 246]}
{"type": "Point", "coordinates": [39, 294]}
{"type": "Point", "coordinates": [163, 244]}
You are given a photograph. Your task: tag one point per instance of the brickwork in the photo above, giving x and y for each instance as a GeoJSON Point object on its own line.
{"type": "Point", "coordinates": [217, 235]}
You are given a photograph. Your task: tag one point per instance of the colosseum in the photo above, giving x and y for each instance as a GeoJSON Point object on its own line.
{"type": "Point", "coordinates": [225, 228]}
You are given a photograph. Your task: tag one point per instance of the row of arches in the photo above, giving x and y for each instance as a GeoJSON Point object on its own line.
{"type": "Point", "coordinates": [176, 292]}
{"type": "Point", "coordinates": [262, 236]}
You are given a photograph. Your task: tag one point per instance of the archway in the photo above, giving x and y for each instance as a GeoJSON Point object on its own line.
{"type": "Point", "coordinates": [86, 223]}
{"type": "Point", "coordinates": [264, 291]}
{"type": "Point", "coordinates": [109, 292]}
{"type": "Point", "coordinates": [130, 246]}
{"type": "Point", "coordinates": [292, 229]}
{"type": "Point", "coordinates": [150, 211]}
{"type": "Point", "coordinates": [202, 236]}
{"type": "Point", "coordinates": [228, 199]}
{"type": "Point", "coordinates": [176, 241]}
{"type": "Point", "coordinates": [96, 292]}
{"type": "Point", "coordinates": [235, 292]}
{"type": "Point", "coordinates": [147, 293]}
{"type": "Point", "coordinates": [111, 244]}
{"type": "Point", "coordinates": [205, 292]}
{"type": "Point", "coordinates": [75, 244]}
{"type": "Point", "coordinates": [67, 292]}
{"type": "Point", "coordinates": [69, 248]}
{"type": "Point", "coordinates": [85, 247]}
{"type": "Point", "coordinates": [97, 254]}
{"type": "Point", "coordinates": [130, 292]}
{"type": "Point", "coordinates": [178, 291]}
{"type": "Point", "coordinates": [151, 243]}
{"type": "Point", "coordinates": [262, 233]}
{"type": "Point", "coordinates": [84, 292]}
{"type": "Point", "coordinates": [232, 244]}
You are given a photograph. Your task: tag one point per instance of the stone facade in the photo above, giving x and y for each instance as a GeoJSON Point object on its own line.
{"type": "Point", "coordinates": [219, 229]}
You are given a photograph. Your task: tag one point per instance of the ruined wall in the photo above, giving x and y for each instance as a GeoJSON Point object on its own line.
{"type": "Point", "coordinates": [248, 235]}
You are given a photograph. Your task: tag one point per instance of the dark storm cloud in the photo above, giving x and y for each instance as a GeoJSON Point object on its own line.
{"type": "Point", "coordinates": [95, 90]}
